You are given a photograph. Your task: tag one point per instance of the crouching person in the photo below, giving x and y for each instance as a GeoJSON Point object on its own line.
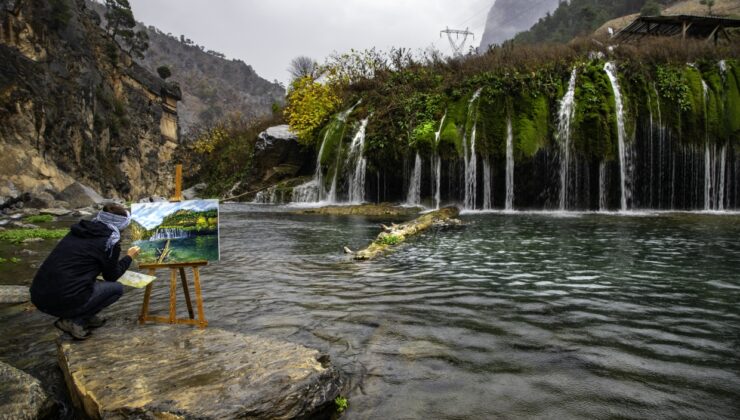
{"type": "Point", "coordinates": [65, 284]}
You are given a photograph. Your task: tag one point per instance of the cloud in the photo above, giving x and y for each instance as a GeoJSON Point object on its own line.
{"type": "Point", "coordinates": [267, 34]}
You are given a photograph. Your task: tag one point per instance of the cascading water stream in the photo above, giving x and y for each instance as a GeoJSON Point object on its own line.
{"type": "Point", "coordinates": [413, 197]}
{"type": "Point", "coordinates": [471, 160]}
{"type": "Point", "coordinates": [624, 168]}
{"type": "Point", "coordinates": [357, 176]}
{"type": "Point", "coordinates": [565, 116]}
{"type": "Point", "coordinates": [313, 191]}
{"type": "Point", "coordinates": [437, 165]}
{"type": "Point", "coordinates": [602, 186]}
{"type": "Point", "coordinates": [509, 204]}
{"type": "Point", "coordinates": [487, 192]}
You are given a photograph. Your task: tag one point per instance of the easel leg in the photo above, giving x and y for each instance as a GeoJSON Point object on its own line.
{"type": "Point", "coordinates": [185, 290]}
{"type": "Point", "coordinates": [145, 306]}
{"type": "Point", "coordinates": [173, 296]}
{"type": "Point", "coordinates": [199, 299]}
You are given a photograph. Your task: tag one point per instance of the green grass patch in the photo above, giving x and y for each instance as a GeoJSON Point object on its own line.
{"type": "Point", "coordinates": [39, 218]}
{"type": "Point", "coordinates": [389, 240]}
{"type": "Point", "coordinates": [13, 260]}
{"type": "Point", "coordinates": [341, 403]}
{"type": "Point", "coordinates": [19, 235]}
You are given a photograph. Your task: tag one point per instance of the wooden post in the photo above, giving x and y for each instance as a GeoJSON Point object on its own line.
{"type": "Point", "coordinates": [199, 298]}
{"type": "Point", "coordinates": [145, 306]}
{"type": "Point", "coordinates": [173, 296]}
{"type": "Point", "coordinates": [178, 183]}
{"type": "Point", "coordinates": [184, 281]}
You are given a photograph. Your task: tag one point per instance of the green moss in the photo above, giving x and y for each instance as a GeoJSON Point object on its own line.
{"type": "Point", "coordinates": [732, 101]}
{"type": "Point", "coordinates": [492, 117]}
{"type": "Point", "coordinates": [423, 135]}
{"type": "Point", "coordinates": [13, 260]}
{"type": "Point", "coordinates": [19, 235]}
{"type": "Point", "coordinates": [594, 123]}
{"type": "Point", "coordinates": [450, 140]}
{"type": "Point", "coordinates": [388, 239]}
{"type": "Point", "coordinates": [39, 218]}
{"type": "Point", "coordinates": [530, 123]}
{"type": "Point", "coordinates": [693, 127]}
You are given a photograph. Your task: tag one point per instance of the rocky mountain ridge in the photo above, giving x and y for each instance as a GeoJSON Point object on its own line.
{"type": "Point", "coordinates": [212, 85]}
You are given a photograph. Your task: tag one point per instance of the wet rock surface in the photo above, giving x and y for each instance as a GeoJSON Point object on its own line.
{"type": "Point", "coordinates": [382, 209]}
{"type": "Point", "coordinates": [21, 395]}
{"type": "Point", "coordinates": [14, 294]}
{"type": "Point", "coordinates": [127, 371]}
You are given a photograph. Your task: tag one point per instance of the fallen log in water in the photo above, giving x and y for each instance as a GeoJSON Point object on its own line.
{"type": "Point", "coordinates": [396, 234]}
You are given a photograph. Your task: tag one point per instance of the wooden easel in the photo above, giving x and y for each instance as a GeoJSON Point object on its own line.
{"type": "Point", "coordinates": [176, 268]}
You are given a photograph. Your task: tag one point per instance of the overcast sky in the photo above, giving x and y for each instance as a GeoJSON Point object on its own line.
{"type": "Point", "coordinates": [267, 34]}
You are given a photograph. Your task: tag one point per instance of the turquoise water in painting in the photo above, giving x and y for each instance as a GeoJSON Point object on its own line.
{"type": "Point", "coordinates": [183, 249]}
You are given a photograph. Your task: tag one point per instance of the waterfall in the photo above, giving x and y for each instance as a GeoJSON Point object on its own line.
{"type": "Point", "coordinates": [437, 164]}
{"type": "Point", "coordinates": [611, 72]}
{"type": "Point", "coordinates": [170, 233]}
{"type": "Point", "coordinates": [414, 195]}
{"type": "Point", "coordinates": [487, 192]}
{"type": "Point", "coordinates": [602, 186]}
{"type": "Point", "coordinates": [268, 196]}
{"type": "Point", "coordinates": [708, 172]}
{"type": "Point", "coordinates": [313, 191]}
{"type": "Point", "coordinates": [722, 168]}
{"type": "Point", "coordinates": [565, 116]}
{"type": "Point", "coordinates": [471, 160]}
{"type": "Point", "coordinates": [357, 177]}
{"type": "Point", "coordinates": [509, 166]}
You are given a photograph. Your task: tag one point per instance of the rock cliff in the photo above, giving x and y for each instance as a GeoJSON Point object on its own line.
{"type": "Point", "coordinates": [74, 106]}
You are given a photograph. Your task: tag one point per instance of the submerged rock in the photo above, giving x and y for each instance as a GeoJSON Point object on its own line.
{"type": "Point", "coordinates": [382, 209]}
{"type": "Point", "coordinates": [158, 371]}
{"type": "Point", "coordinates": [21, 395]}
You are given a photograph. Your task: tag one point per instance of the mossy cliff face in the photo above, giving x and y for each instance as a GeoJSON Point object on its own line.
{"type": "Point", "coordinates": [683, 105]}
{"type": "Point", "coordinates": [73, 106]}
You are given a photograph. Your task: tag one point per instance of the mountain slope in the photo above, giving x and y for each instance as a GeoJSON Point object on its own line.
{"type": "Point", "coordinates": [506, 18]}
{"type": "Point", "coordinates": [212, 86]}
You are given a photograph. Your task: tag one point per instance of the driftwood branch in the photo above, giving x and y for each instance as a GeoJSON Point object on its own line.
{"type": "Point", "coordinates": [396, 234]}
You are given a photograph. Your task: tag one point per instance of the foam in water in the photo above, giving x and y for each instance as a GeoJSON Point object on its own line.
{"type": "Point", "coordinates": [414, 195]}
{"type": "Point", "coordinates": [357, 176]}
{"type": "Point", "coordinates": [509, 205]}
{"type": "Point", "coordinates": [624, 172]}
{"type": "Point", "coordinates": [565, 116]}
{"type": "Point", "coordinates": [471, 160]}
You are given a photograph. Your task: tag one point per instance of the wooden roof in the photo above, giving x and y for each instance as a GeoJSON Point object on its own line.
{"type": "Point", "coordinates": [704, 27]}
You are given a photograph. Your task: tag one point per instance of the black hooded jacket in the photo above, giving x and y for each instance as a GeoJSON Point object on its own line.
{"type": "Point", "coordinates": [65, 280]}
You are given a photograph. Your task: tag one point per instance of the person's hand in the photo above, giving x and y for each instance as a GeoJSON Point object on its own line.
{"type": "Point", "coordinates": [133, 252]}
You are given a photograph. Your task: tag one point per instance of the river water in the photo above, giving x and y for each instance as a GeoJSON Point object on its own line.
{"type": "Point", "coordinates": [514, 315]}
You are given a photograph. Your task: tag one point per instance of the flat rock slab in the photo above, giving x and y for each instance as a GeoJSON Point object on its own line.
{"type": "Point", "coordinates": [21, 395]}
{"type": "Point", "coordinates": [14, 294]}
{"type": "Point", "coordinates": [157, 371]}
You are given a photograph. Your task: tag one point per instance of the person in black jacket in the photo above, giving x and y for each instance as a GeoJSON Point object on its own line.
{"type": "Point", "coordinates": [65, 284]}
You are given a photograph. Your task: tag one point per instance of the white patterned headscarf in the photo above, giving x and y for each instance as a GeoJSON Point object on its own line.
{"type": "Point", "coordinates": [116, 223]}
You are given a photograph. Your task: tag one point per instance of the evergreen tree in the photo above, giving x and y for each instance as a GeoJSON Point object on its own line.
{"type": "Point", "coordinates": [121, 24]}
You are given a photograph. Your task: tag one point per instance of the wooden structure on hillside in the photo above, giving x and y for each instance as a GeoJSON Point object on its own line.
{"type": "Point", "coordinates": [685, 26]}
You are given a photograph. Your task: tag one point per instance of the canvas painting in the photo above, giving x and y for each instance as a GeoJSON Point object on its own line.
{"type": "Point", "coordinates": [185, 231]}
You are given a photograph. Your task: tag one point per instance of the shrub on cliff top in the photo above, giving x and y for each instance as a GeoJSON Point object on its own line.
{"type": "Point", "coordinates": [310, 105]}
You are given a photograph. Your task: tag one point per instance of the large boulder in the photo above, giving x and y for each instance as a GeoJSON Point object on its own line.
{"type": "Point", "coordinates": [165, 371]}
{"type": "Point", "coordinates": [21, 395]}
{"type": "Point", "coordinates": [79, 195]}
{"type": "Point", "coordinates": [195, 191]}
{"type": "Point", "coordinates": [279, 156]}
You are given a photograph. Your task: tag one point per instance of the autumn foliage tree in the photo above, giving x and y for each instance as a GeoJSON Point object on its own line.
{"type": "Point", "coordinates": [310, 105]}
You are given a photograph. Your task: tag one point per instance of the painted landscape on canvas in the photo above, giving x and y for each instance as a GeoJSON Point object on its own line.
{"type": "Point", "coordinates": [177, 232]}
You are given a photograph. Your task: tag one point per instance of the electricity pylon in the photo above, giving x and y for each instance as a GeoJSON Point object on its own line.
{"type": "Point", "coordinates": [457, 45]}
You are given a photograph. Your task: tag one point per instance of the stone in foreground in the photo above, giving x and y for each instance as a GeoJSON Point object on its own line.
{"type": "Point", "coordinates": [14, 294]}
{"type": "Point", "coordinates": [127, 371]}
{"type": "Point", "coordinates": [21, 395]}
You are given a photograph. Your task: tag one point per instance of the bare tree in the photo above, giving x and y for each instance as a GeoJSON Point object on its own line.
{"type": "Point", "coordinates": [303, 66]}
